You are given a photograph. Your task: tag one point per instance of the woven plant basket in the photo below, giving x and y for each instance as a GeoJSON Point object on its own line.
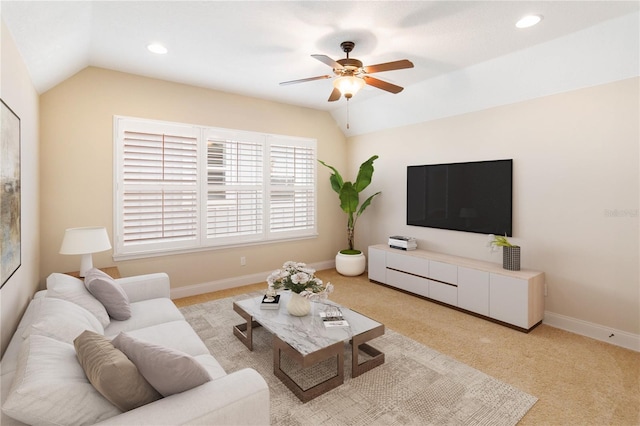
{"type": "Point", "coordinates": [511, 258]}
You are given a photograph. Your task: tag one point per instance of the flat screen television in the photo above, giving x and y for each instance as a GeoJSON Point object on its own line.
{"type": "Point", "coordinates": [471, 197]}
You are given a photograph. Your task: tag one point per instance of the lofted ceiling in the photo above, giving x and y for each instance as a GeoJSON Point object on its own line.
{"type": "Point", "coordinates": [249, 47]}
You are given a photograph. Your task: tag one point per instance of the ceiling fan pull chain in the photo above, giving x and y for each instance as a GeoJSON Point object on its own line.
{"type": "Point", "coordinates": [347, 113]}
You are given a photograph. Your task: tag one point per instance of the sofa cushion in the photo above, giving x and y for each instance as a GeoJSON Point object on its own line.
{"type": "Point", "coordinates": [146, 313]}
{"type": "Point", "coordinates": [212, 365]}
{"type": "Point", "coordinates": [72, 289]}
{"type": "Point", "coordinates": [109, 293]}
{"type": "Point", "coordinates": [61, 320]}
{"type": "Point", "coordinates": [10, 357]}
{"type": "Point", "coordinates": [174, 335]}
{"type": "Point", "coordinates": [112, 373]}
{"type": "Point", "coordinates": [50, 387]}
{"type": "Point", "coordinates": [168, 370]}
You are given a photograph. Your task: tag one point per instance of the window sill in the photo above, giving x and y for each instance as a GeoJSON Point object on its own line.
{"type": "Point", "coordinates": [145, 255]}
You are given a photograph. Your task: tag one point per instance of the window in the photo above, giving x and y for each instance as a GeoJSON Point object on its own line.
{"type": "Point", "coordinates": [182, 188]}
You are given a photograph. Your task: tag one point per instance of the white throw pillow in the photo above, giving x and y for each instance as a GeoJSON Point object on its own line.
{"type": "Point", "coordinates": [50, 387]}
{"type": "Point", "coordinates": [168, 370]}
{"type": "Point", "coordinates": [66, 287]}
{"type": "Point", "coordinates": [62, 320]}
{"type": "Point", "coordinates": [109, 293]}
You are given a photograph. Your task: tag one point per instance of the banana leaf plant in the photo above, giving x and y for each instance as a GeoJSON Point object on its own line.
{"type": "Point", "coordinates": [349, 194]}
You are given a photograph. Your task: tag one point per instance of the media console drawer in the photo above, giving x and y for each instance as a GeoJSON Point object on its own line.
{"type": "Point", "coordinates": [444, 272]}
{"type": "Point", "coordinates": [446, 293]}
{"type": "Point", "coordinates": [409, 282]}
{"type": "Point", "coordinates": [409, 264]}
{"type": "Point", "coordinates": [514, 298]}
{"type": "Point", "coordinates": [473, 290]}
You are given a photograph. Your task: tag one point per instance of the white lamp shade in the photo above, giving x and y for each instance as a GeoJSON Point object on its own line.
{"type": "Point", "coordinates": [85, 240]}
{"type": "Point", "coordinates": [348, 85]}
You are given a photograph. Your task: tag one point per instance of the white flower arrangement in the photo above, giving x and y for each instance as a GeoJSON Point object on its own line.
{"type": "Point", "coordinates": [298, 278]}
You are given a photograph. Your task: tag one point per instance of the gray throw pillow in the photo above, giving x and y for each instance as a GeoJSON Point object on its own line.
{"type": "Point", "coordinates": [168, 370]}
{"type": "Point", "coordinates": [109, 293]}
{"type": "Point", "coordinates": [112, 373]}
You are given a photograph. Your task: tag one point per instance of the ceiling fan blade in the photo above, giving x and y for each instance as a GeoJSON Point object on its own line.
{"type": "Point", "coordinates": [389, 66]}
{"type": "Point", "coordinates": [335, 95]}
{"type": "Point", "coordinates": [327, 60]}
{"type": "Point", "coordinates": [303, 80]}
{"type": "Point", "coordinates": [382, 84]}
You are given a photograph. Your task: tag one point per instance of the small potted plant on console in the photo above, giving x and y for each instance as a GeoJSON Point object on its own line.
{"type": "Point", "coordinates": [510, 253]}
{"type": "Point", "coordinates": [352, 262]}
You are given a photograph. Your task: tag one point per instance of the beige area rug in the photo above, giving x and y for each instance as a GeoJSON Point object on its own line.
{"type": "Point", "coordinates": [415, 386]}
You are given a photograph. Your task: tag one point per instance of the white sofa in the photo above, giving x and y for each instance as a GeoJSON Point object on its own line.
{"type": "Point", "coordinates": [241, 397]}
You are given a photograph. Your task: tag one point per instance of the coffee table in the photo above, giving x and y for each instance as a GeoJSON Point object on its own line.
{"type": "Point", "coordinates": [308, 342]}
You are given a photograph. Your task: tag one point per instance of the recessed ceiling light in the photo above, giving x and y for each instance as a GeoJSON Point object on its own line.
{"type": "Point", "coordinates": [157, 48]}
{"type": "Point", "coordinates": [528, 21]}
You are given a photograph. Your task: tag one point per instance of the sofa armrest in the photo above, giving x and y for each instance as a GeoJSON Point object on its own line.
{"type": "Point", "coordinates": [239, 398]}
{"type": "Point", "coordinates": [144, 287]}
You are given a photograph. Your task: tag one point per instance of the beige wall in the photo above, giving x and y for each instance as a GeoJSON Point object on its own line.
{"type": "Point", "coordinates": [575, 162]}
{"type": "Point", "coordinates": [76, 125]}
{"type": "Point", "coordinates": [17, 91]}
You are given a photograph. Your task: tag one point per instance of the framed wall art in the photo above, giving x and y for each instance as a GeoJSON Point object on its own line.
{"type": "Point", "coordinates": [10, 213]}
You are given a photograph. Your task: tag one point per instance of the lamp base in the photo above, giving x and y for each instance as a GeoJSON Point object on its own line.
{"type": "Point", "coordinates": [85, 264]}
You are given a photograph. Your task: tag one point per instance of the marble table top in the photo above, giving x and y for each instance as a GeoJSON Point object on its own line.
{"type": "Point", "coordinates": [306, 334]}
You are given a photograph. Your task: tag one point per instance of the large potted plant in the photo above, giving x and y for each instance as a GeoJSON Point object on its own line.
{"type": "Point", "coordinates": [351, 261]}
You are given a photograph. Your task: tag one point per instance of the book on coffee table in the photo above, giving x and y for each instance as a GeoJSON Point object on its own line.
{"type": "Point", "coordinates": [270, 304]}
{"type": "Point", "coordinates": [333, 319]}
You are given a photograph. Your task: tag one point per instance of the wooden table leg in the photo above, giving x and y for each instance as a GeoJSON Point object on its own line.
{"type": "Point", "coordinates": [244, 332]}
{"type": "Point", "coordinates": [358, 344]}
{"type": "Point", "coordinates": [335, 350]}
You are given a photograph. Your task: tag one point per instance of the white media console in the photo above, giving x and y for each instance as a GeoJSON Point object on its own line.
{"type": "Point", "coordinates": [515, 298]}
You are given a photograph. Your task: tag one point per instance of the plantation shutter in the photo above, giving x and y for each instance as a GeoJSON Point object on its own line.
{"type": "Point", "coordinates": [158, 186]}
{"type": "Point", "coordinates": [181, 188]}
{"type": "Point", "coordinates": [235, 193]}
{"type": "Point", "coordinates": [292, 197]}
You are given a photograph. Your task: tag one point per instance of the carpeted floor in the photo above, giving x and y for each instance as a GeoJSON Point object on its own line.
{"type": "Point", "coordinates": [578, 381]}
{"type": "Point", "coordinates": [415, 386]}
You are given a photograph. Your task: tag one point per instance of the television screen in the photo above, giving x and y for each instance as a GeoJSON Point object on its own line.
{"type": "Point", "coordinates": [471, 197]}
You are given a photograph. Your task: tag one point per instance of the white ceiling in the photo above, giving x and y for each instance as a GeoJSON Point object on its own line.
{"type": "Point", "coordinates": [248, 47]}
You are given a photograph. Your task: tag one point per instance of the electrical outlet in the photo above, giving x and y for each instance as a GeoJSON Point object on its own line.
{"type": "Point", "coordinates": [243, 261]}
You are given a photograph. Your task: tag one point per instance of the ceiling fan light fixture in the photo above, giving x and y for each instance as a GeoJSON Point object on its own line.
{"type": "Point", "coordinates": [348, 85]}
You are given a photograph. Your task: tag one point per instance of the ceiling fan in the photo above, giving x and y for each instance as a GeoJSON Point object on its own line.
{"type": "Point", "coordinates": [352, 75]}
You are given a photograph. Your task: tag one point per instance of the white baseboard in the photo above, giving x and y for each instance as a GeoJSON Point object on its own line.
{"type": "Point", "coordinates": [194, 290]}
{"type": "Point", "coordinates": [595, 331]}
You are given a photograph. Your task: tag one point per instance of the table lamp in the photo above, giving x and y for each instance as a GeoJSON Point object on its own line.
{"type": "Point", "coordinates": [85, 241]}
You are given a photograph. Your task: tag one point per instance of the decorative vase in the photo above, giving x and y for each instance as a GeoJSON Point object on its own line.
{"type": "Point", "coordinates": [350, 265]}
{"type": "Point", "coordinates": [298, 306]}
{"type": "Point", "coordinates": [511, 258]}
